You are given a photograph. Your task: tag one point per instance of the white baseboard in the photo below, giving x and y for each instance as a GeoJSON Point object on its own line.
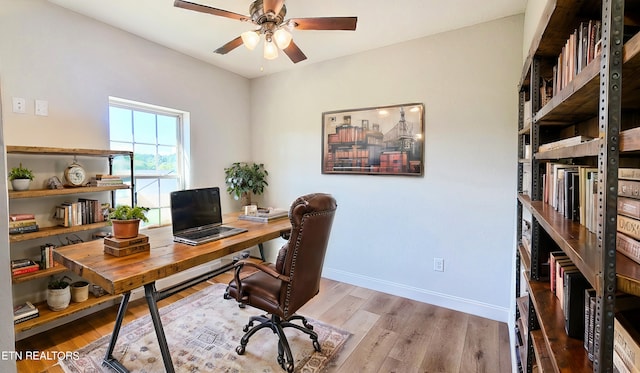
{"type": "Point", "coordinates": [469, 306]}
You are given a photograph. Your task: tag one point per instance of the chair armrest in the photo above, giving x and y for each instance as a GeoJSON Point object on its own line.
{"type": "Point", "coordinates": [261, 267]}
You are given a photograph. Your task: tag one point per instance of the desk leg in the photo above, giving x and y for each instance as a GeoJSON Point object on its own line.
{"type": "Point", "coordinates": [261, 247]}
{"type": "Point", "coordinates": [150, 294]}
{"type": "Point", "coordinates": [109, 360]}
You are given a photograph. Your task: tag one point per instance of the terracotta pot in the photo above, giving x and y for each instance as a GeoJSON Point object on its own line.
{"type": "Point", "coordinates": [125, 228]}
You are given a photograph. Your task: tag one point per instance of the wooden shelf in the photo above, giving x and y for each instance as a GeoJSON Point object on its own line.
{"type": "Point", "coordinates": [46, 315]}
{"type": "Point", "coordinates": [574, 239]}
{"type": "Point", "coordinates": [37, 193]}
{"type": "Point", "coordinates": [586, 149]}
{"type": "Point", "coordinates": [54, 231]}
{"type": "Point", "coordinates": [569, 354]}
{"type": "Point", "coordinates": [525, 257]}
{"type": "Point", "coordinates": [38, 274]}
{"type": "Point", "coordinates": [38, 150]}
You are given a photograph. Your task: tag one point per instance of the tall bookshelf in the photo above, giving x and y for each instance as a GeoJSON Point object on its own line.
{"type": "Point", "coordinates": [45, 200]}
{"type": "Point", "coordinates": [602, 100]}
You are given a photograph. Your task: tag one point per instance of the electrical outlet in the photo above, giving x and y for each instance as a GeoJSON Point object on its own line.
{"type": "Point", "coordinates": [19, 105]}
{"type": "Point", "coordinates": [438, 264]}
{"type": "Point", "coordinates": [42, 108]}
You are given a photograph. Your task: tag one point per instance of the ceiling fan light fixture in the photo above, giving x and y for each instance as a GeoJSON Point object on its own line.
{"type": "Point", "coordinates": [250, 39]}
{"type": "Point", "coordinates": [270, 50]}
{"type": "Point", "coordinates": [282, 38]}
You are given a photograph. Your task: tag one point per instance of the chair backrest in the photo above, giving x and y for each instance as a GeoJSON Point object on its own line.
{"type": "Point", "coordinates": [302, 257]}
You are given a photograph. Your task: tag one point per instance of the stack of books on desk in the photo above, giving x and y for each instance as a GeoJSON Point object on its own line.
{"type": "Point", "coordinates": [25, 311]}
{"type": "Point", "coordinates": [266, 215]}
{"type": "Point", "coordinates": [126, 246]}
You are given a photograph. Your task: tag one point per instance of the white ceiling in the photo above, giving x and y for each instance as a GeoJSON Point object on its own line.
{"type": "Point", "coordinates": [380, 23]}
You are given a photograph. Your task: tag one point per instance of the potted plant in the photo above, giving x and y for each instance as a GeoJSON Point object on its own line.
{"type": "Point", "coordinates": [126, 220]}
{"type": "Point", "coordinates": [59, 293]}
{"type": "Point", "coordinates": [244, 179]}
{"type": "Point", "coordinates": [20, 177]}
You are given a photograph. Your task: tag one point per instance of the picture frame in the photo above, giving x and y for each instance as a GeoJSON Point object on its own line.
{"type": "Point", "coordinates": [384, 140]}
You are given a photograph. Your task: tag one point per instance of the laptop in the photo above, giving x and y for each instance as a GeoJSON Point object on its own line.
{"type": "Point", "coordinates": [197, 217]}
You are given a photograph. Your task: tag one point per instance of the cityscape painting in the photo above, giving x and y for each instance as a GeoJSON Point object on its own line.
{"type": "Point", "coordinates": [386, 140]}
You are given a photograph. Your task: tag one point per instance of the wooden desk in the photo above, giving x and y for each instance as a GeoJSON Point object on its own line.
{"type": "Point", "coordinates": [120, 275]}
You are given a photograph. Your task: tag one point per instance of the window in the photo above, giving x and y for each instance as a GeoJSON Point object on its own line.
{"type": "Point", "coordinates": [155, 136]}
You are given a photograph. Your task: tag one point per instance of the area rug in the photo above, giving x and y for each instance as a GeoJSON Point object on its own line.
{"type": "Point", "coordinates": [203, 331]}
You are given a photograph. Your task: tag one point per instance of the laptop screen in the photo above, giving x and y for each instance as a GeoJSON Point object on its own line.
{"type": "Point", "coordinates": [194, 208]}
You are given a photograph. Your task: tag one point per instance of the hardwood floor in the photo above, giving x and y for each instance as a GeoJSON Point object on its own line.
{"type": "Point", "coordinates": [390, 333]}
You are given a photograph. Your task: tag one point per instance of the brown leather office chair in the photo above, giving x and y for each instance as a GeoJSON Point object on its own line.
{"type": "Point", "coordinates": [281, 289]}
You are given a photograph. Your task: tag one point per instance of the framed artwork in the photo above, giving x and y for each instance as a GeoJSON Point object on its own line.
{"type": "Point", "coordinates": [386, 140]}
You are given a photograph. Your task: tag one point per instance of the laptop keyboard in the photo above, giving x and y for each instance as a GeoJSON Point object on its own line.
{"type": "Point", "coordinates": [204, 233]}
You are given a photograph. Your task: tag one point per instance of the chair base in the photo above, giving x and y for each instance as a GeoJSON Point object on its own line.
{"type": "Point", "coordinates": [277, 325]}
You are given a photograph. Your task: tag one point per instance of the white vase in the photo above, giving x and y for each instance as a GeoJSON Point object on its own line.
{"type": "Point", "coordinates": [58, 299]}
{"type": "Point", "coordinates": [20, 184]}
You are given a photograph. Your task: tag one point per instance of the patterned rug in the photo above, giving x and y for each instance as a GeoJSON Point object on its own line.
{"type": "Point", "coordinates": [203, 331]}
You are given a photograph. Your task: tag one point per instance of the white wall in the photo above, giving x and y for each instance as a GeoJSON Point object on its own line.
{"type": "Point", "coordinates": [388, 229]}
{"type": "Point", "coordinates": [533, 15]}
{"type": "Point", "coordinates": [76, 63]}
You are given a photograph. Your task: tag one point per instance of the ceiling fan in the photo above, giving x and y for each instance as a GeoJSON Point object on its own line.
{"type": "Point", "coordinates": [268, 16]}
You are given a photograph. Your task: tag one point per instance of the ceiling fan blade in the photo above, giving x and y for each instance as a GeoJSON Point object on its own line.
{"type": "Point", "coordinates": [326, 23]}
{"type": "Point", "coordinates": [272, 5]}
{"type": "Point", "coordinates": [209, 10]}
{"type": "Point", "coordinates": [294, 53]}
{"type": "Point", "coordinates": [233, 44]}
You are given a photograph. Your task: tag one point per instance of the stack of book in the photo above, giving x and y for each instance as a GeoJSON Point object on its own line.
{"type": "Point", "coordinates": [22, 223]}
{"type": "Point", "coordinates": [105, 180]}
{"type": "Point", "coordinates": [266, 215]}
{"type": "Point", "coordinates": [23, 266]}
{"type": "Point", "coordinates": [629, 213]}
{"type": "Point", "coordinates": [126, 246]}
{"type": "Point", "coordinates": [24, 312]}
{"type": "Point", "coordinates": [46, 256]}
{"type": "Point", "coordinates": [84, 211]}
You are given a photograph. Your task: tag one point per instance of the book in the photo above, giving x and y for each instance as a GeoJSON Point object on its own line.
{"type": "Point", "coordinates": [629, 188]}
{"type": "Point", "coordinates": [629, 173]}
{"type": "Point", "coordinates": [125, 242]}
{"type": "Point", "coordinates": [629, 207]}
{"type": "Point", "coordinates": [24, 270]}
{"type": "Point", "coordinates": [626, 337]}
{"type": "Point", "coordinates": [25, 318]}
{"type": "Point", "coordinates": [266, 216]}
{"type": "Point", "coordinates": [575, 140]}
{"type": "Point", "coordinates": [629, 226]}
{"type": "Point", "coordinates": [127, 250]}
{"type": "Point", "coordinates": [25, 229]}
{"type": "Point", "coordinates": [553, 257]}
{"type": "Point", "coordinates": [22, 223]}
{"type": "Point", "coordinates": [628, 247]}
{"type": "Point", "coordinates": [19, 263]}
{"type": "Point", "coordinates": [16, 217]}
{"type": "Point", "coordinates": [575, 285]}
{"type": "Point", "coordinates": [23, 310]}
{"type": "Point", "coordinates": [589, 319]}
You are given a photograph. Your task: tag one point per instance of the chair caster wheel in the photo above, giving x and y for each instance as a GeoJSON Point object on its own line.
{"type": "Point", "coordinates": [316, 346]}
{"type": "Point", "coordinates": [289, 367]}
{"type": "Point", "coordinates": [226, 296]}
{"type": "Point", "coordinates": [240, 350]}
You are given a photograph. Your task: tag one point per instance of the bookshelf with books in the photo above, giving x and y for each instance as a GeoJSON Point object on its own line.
{"type": "Point", "coordinates": [37, 207]}
{"type": "Point", "coordinates": [581, 83]}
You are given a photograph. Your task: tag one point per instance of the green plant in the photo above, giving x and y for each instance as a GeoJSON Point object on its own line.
{"type": "Point", "coordinates": [126, 212]}
{"type": "Point", "coordinates": [20, 173]}
{"type": "Point", "coordinates": [60, 283]}
{"type": "Point", "coordinates": [242, 178]}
